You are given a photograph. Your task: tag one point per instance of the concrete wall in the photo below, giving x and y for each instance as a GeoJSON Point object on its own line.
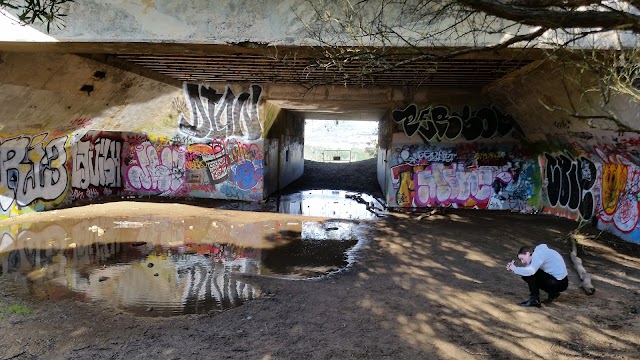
{"type": "Point", "coordinates": [467, 157]}
{"type": "Point", "coordinates": [264, 22]}
{"type": "Point", "coordinates": [74, 129]}
{"type": "Point", "coordinates": [385, 135]}
{"type": "Point", "coordinates": [587, 174]}
{"type": "Point", "coordinates": [288, 132]}
{"type": "Point", "coordinates": [204, 21]}
{"type": "Point", "coordinates": [514, 154]}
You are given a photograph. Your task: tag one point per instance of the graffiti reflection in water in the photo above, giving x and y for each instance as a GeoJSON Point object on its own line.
{"type": "Point", "coordinates": [154, 266]}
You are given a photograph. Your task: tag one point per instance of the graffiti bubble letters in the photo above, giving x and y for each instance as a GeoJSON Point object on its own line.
{"type": "Point", "coordinates": [97, 163]}
{"type": "Point", "coordinates": [31, 170]}
{"type": "Point", "coordinates": [438, 123]}
{"type": "Point", "coordinates": [569, 182]}
{"type": "Point", "coordinates": [439, 184]}
{"type": "Point", "coordinates": [221, 115]}
{"type": "Point", "coordinates": [164, 173]}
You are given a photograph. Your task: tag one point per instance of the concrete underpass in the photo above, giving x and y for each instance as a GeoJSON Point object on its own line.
{"type": "Point", "coordinates": [115, 125]}
{"type": "Point", "coordinates": [95, 125]}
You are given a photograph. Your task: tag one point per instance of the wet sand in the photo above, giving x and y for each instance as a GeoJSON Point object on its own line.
{"type": "Point", "coordinates": [422, 287]}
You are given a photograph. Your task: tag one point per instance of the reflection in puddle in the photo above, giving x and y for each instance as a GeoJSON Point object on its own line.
{"type": "Point", "coordinates": [335, 204]}
{"type": "Point", "coordinates": [156, 266]}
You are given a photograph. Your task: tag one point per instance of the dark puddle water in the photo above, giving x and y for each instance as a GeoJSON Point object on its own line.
{"type": "Point", "coordinates": [158, 266]}
{"type": "Point", "coordinates": [154, 266]}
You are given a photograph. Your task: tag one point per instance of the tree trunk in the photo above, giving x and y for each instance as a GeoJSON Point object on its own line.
{"type": "Point", "coordinates": [584, 276]}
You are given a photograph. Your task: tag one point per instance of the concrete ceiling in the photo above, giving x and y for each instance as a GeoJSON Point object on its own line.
{"type": "Point", "coordinates": [174, 63]}
{"type": "Point", "coordinates": [255, 68]}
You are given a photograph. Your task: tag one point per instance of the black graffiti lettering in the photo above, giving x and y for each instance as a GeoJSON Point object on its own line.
{"type": "Point", "coordinates": [221, 115]}
{"type": "Point", "coordinates": [407, 118]}
{"type": "Point", "coordinates": [437, 123]}
{"type": "Point", "coordinates": [569, 183]}
{"type": "Point", "coordinates": [197, 127]}
{"type": "Point", "coordinates": [506, 123]}
{"type": "Point", "coordinates": [565, 168]}
{"type": "Point", "coordinates": [588, 173]}
{"type": "Point", "coordinates": [426, 127]}
{"type": "Point", "coordinates": [97, 162]}
{"type": "Point", "coordinates": [586, 209]}
{"type": "Point", "coordinates": [554, 184]}
{"type": "Point", "coordinates": [575, 191]}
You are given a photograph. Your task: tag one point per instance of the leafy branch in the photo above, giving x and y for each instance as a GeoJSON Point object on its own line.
{"type": "Point", "coordinates": [29, 12]}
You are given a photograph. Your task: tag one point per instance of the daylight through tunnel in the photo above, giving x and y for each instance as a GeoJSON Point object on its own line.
{"type": "Point", "coordinates": [481, 133]}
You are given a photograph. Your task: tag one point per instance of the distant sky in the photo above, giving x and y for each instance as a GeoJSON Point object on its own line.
{"type": "Point", "coordinates": [341, 134]}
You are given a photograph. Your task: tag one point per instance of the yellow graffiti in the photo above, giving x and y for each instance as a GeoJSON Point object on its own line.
{"type": "Point", "coordinates": [614, 181]}
{"type": "Point", "coordinates": [405, 192]}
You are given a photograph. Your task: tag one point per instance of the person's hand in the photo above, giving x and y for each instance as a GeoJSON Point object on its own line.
{"type": "Point", "coordinates": [511, 266]}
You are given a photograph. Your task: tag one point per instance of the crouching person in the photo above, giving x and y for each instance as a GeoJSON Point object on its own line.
{"type": "Point", "coordinates": [544, 270]}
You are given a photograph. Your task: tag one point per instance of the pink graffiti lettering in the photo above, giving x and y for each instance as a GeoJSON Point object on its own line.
{"type": "Point", "coordinates": [164, 173]}
{"type": "Point", "coordinates": [439, 184]}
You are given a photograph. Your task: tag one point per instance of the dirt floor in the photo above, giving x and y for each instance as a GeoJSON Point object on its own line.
{"type": "Point", "coordinates": [358, 176]}
{"type": "Point", "coordinates": [422, 287]}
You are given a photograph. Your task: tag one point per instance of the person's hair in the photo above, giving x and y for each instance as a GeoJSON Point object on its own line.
{"type": "Point", "coordinates": [525, 249]}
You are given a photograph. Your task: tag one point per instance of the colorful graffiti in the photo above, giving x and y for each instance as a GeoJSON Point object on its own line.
{"type": "Point", "coordinates": [96, 166]}
{"type": "Point", "coordinates": [619, 192]}
{"type": "Point", "coordinates": [438, 123]}
{"type": "Point", "coordinates": [32, 169]}
{"type": "Point", "coordinates": [447, 176]}
{"type": "Point", "coordinates": [156, 169]}
{"type": "Point", "coordinates": [602, 186]}
{"type": "Point", "coordinates": [221, 115]}
{"type": "Point", "coordinates": [230, 167]}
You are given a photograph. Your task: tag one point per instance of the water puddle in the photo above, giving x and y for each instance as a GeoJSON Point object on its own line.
{"type": "Point", "coordinates": [155, 266]}
{"type": "Point", "coordinates": [336, 204]}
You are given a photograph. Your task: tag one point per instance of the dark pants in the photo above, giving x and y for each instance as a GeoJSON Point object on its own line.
{"type": "Point", "coordinates": [546, 282]}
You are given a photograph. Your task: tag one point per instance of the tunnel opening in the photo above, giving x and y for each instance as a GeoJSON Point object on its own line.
{"type": "Point", "coordinates": [327, 161]}
{"type": "Point", "coordinates": [339, 155]}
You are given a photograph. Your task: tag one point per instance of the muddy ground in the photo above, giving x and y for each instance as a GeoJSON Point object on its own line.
{"type": "Point", "coordinates": [422, 287]}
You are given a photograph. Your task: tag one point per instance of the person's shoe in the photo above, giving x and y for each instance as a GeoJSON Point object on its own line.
{"type": "Point", "coordinates": [552, 296]}
{"type": "Point", "coordinates": [534, 301]}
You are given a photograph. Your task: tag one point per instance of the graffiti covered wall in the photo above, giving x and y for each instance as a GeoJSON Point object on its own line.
{"type": "Point", "coordinates": [480, 159]}
{"type": "Point", "coordinates": [216, 152]}
{"type": "Point", "coordinates": [96, 165]}
{"type": "Point", "coordinates": [462, 176]}
{"type": "Point", "coordinates": [599, 182]}
{"type": "Point", "coordinates": [33, 173]}
{"type": "Point", "coordinates": [446, 159]}
{"type": "Point", "coordinates": [220, 168]}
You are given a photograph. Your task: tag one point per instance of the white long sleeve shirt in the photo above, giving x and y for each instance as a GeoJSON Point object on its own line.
{"type": "Point", "coordinates": [548, 260]}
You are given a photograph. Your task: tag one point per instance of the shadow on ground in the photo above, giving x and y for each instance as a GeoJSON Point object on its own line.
{"type": "Point", "coordinates": [433, 288]}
